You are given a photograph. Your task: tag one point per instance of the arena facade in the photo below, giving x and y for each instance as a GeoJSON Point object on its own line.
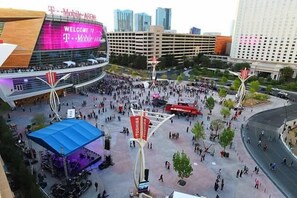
{"type": "Point", "coordinates": [34, 42]}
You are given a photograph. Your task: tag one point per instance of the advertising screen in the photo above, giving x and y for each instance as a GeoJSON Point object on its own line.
{"type": "Point", "coordinates": [69, 35]}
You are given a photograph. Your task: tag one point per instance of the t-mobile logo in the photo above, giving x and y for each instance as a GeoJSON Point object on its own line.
{"type": "Point", "coordinates": [66, 37]}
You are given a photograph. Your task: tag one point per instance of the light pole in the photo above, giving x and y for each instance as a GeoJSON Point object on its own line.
{"type": "Point", "coordinates": [286, 114]}
{"type": "Point", "coordinates": [54, 98]}
{"type": "Point", "coordinates": [243, 76]}
{"type": "Point", "coordinates": [154, 63]}
{"type": "Point", "coordinates": [141, 122]}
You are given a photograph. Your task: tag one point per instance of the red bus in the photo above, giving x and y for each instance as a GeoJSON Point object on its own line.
{"type": "Point", "coordinates": [174, 108]}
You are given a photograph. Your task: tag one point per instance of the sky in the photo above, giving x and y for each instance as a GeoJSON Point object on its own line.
{"type": "Point", "coordinates": [208, 15]}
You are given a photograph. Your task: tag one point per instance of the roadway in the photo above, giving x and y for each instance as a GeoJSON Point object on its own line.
{"type": "Point", "coordinates": [284, 176]}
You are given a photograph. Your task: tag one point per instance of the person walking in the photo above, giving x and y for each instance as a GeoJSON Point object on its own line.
{"type": "Point", "coordinates": [237, 173]}
{"type": "Point", "coordinates": [187, 129]}
{"type": "Point", "coordinates": [222, 184]}
{"type": "Point", "coordinates": [284, 161]}
{"type": "Point", "coordinates": [96, 186]}
{"type": "Point", "coordinates": [248, 140]}
{"type": "Point", "coordinates": [257, 183]}
{"type": "Point", "coordinates": [161, 178]}
{"type": "Point", "coordinates": [240, 174]}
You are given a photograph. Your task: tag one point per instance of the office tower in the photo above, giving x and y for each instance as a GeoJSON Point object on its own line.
{"type": "Point", "coordinates": [265, 35]}
{"type": "Point", "coordinates": [195, 30]}
{"type": "Point", "coordinates": [123, 20]}
{"type": "Point", "coordinates": [163, 18]}
{"type": "Point", "coordinates": [142, 22]}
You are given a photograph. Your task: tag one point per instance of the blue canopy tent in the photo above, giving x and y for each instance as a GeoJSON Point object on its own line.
{"type": "Point", "coordinates": [67, 136]}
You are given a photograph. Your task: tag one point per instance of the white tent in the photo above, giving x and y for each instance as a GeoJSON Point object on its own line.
{"type": "Point", "coordinates": [69, 63]}
{"type": "Point", "coordinates": [101, 59]}
{"type": "Point", "coordinates": [93, 61]}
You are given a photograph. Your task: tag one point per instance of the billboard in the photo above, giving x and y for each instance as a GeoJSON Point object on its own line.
{"type": "Point", "coordinates": [56, 35]}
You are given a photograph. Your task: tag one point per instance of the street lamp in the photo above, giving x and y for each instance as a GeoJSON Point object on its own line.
{"type": "Point", "coordinates": [54, 98]}
{"type": "Point", "coordinates": [154, 63]}
{"type": "Point", "coordinates": [243, 76]}
{"type": "Point", "coordinates": [286, 118]}
{"type": "Point", "coordinates": [141, 122]}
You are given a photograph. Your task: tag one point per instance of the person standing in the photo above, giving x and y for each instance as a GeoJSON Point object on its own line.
{"type": "Point", "coordinates": [222, 184]}
{"type": "Point", "coordinates": [96, 186]}
{"type": "Point", "coordinates": [237, 174]}
{"type": "Point", "coordinates": [187, 129]}
{"type": "Point", "coordinates": [216, 186]}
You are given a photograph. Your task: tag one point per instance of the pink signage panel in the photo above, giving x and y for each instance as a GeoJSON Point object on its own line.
{"type": "Point", "coordinates": [69, 35]}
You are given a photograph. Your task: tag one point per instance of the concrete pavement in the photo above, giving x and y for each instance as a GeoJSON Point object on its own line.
{"type": "Point", "coordinates": [118, 179]}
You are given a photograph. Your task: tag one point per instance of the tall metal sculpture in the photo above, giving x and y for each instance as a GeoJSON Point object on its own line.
{"type": "Point", "coordinates": [243, 76]}
{"type": "Point", "coordinates": [142, 122]}
{"type": "Point", "coordinates": [52, 82]}
{"type": "Point", "coordinates": [154, 63]}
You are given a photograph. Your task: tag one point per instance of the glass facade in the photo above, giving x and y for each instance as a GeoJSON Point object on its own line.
{"type": "Point", "coordinates": [31, 84]}
{"type": "Point", "coordinates": [142, 22]}
{"type": "Point", "coordinates": [163, 18]}
{"type": "Point", "coordinates": [123, 20]}
{"type": "Point", "coordinates": [44, 58]}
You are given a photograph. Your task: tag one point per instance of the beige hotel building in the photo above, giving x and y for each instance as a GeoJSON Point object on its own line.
{"type": "Point", "coordinates": [157, 42]}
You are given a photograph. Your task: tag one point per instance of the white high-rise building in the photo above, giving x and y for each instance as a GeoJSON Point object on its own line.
{"type": "Point", "coordinates": [265, 35]}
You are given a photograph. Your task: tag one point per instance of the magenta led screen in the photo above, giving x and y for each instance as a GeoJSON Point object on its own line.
{"type": "Point", "coordinates": [69, 35]}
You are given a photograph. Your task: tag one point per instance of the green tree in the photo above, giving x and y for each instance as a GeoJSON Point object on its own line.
{"type": "Point", "coordinates": [182, 165]}
{"type": "Point", "coordinates": [134, 74]}
{"type": "Point", "coordinates": [222, 92]}
{"type": "Point", "coordinates": [173, 76]}
{"type": "Point", "coordinates": [239, 66]}
{"type": "Point", "coordinates": [210, 103]}
{"type": "Point", "coordinates": [192, 78]}
{"type": "Point", "coordinates": [254, 86]}
{"type": "Point", "coordinates": [217, 125]}
{"type": "Point", "coordinates": [224, 80]}
{"type": "Point", "coordinates": [236, 83]}
{"type": "Point", "coordinates": [198, 131]}
{"type": "Point", "coordinates": [268, 89]}
{"type": "Point", "coordinates": [164, 76]}
{"type": "Point", "coordinates": [114, 68]}
{"type": "Point", "coordinates": [14, 159]}
{"type": "Point", "coordinates": [229, 104]}
{"type": "Point", "coordinates": [226, 137]}
{"type": "Point", "coordinates": [180, 77]}
{"type": "Point", "coordinates": [225, 112]}
{"type": "Point", "coordinates": [286, 74]}
{"type": "Point", "coordinates": [38, 121]}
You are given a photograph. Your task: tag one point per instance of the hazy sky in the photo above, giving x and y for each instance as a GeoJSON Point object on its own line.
{"type": "Point", "coordinates": [209, 15]}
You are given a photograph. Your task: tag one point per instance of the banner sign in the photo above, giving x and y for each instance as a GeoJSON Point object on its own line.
{"type": "Point", "coordinates": [136, 123]}
{"type": "Point", "coordinates": [51, 77]}
{"type": "Point", "coordinates": [244, 73]}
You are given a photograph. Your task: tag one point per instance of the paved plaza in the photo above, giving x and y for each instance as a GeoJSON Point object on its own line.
{"type": "Point", "coordinates": [117, 180]}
